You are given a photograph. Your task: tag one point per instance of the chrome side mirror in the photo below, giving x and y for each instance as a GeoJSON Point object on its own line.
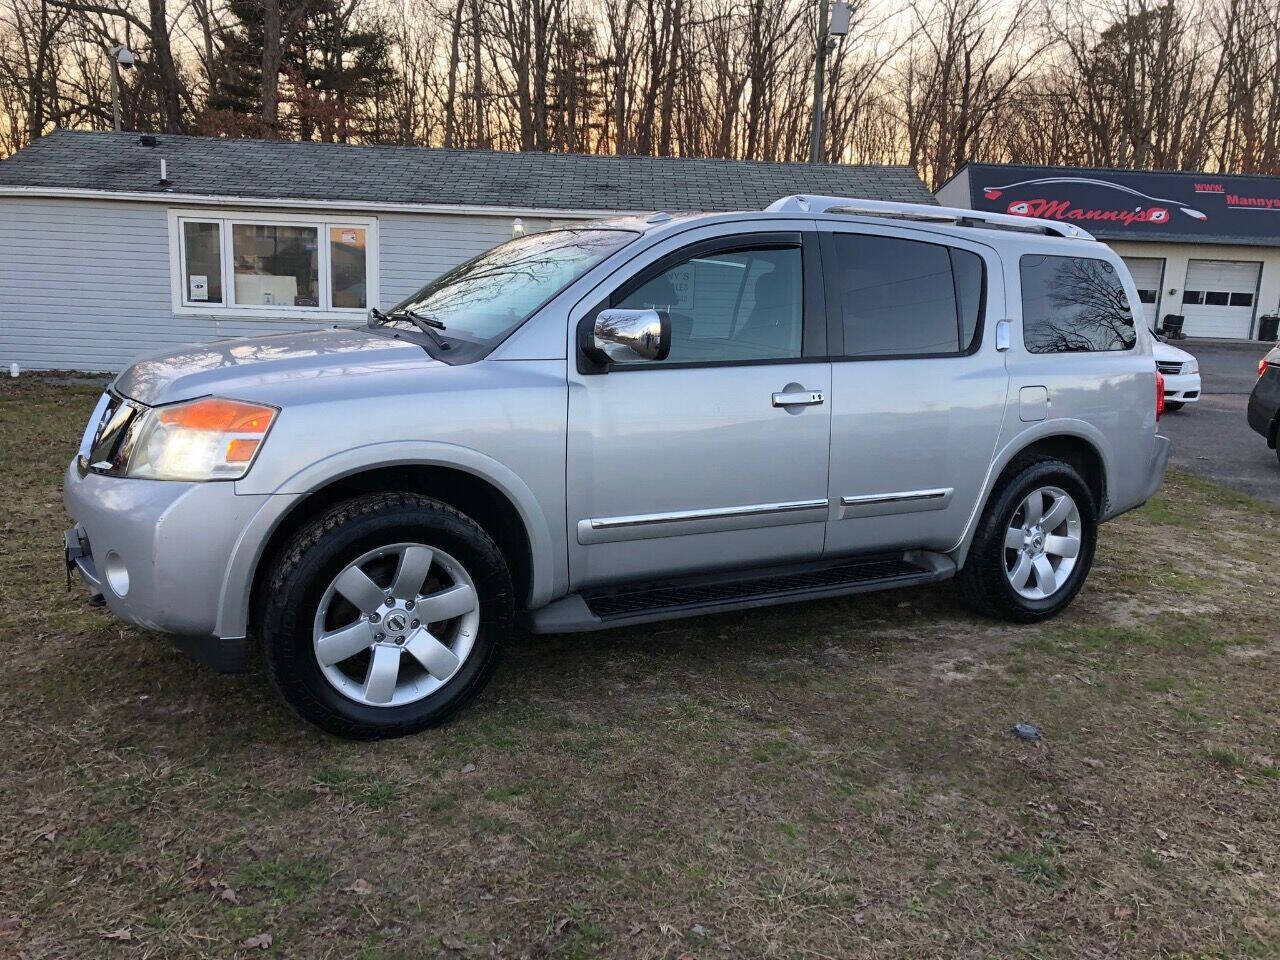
{"type": "Point", "coordinates": [631, 336]}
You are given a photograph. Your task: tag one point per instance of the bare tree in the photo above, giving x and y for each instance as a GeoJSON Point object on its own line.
{"type": "Point", "coordinates": [1178, 84]}
{"type": "Point", "coordinates": [958, 74]}
{"type": "Point", "coordinates": [1146, 90]}
{"type": "Point", "coordinates": [158, 65]}
{"type": "Point", "coordinates": [28, 68]}
{"type": "Point", "coordinates": [1248, 34]}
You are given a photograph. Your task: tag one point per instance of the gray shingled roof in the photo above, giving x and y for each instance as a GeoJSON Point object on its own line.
{"type": "Point", "coordinates": [416, 175]}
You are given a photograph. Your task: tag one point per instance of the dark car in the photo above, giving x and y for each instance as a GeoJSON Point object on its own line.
{"type": "Point", "coordinates": [1264, 402]}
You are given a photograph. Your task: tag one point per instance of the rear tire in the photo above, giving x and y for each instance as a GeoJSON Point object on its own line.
{"type": "Point", "coordinates": [1173, 406]}
{"type": "Point", "coordinates": [1025, 568]}
{"type": "Point", "coordinates": [339, 616]}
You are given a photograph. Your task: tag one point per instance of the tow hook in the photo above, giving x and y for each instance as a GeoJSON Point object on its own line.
{"type": "Point", "coordinates": [73, 548]}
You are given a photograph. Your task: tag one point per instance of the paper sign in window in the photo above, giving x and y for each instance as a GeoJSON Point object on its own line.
{"type": "Point", "coordinates": [347, 264]}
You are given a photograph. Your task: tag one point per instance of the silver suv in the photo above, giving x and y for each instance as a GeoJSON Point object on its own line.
{"type": "Point", "coordinates": [623, 422]}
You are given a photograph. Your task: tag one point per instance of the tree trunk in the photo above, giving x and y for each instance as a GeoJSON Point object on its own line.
{"type": "Point", "coordinates": [477, 76]}
{"type": "Point", "coordinates": [451, 98]}
{"type": "Point", "coordinates": [272, 55]}
{"type": "Point", "coordinates": [170, 97]}
{"type": "Point", "coordinates": [669, 81]}
{"type": "Point", "coordinates": [36, 99]}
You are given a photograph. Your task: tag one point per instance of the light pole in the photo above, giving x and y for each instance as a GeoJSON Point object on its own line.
{"type": "Point", "coordinates": [837, 25]}
{"type": "Point", "coordinates": [121, 58]}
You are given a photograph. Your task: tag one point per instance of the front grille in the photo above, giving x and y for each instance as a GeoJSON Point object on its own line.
{"type": "Point", "coordinates": [1169, 366]}
{"type": "Point", "coordinates": [113, 438]}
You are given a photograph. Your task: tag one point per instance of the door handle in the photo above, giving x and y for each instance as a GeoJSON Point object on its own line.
{"type": "Point", "coordinates": [797, 398]}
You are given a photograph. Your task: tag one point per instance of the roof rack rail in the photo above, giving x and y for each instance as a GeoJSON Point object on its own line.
{"type": "Point", "coordinates": [800, 203]}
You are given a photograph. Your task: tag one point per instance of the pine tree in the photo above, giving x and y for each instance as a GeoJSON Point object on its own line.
{"type": "Point", "coordinates": [332, 72]}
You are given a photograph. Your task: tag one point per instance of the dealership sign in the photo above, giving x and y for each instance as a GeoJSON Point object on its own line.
{"type": "Point", "coordinates": [1122, 203]}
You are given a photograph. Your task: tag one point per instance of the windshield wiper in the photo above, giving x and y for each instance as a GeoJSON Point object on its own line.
{"type": "Point", "coordinates": [428, 325]}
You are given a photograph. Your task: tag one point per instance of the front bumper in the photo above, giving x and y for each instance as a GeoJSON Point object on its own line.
{"type": "Point", "coordinates": [158, 553]}
{"type": "Point", "coordinates": [1182, 387]}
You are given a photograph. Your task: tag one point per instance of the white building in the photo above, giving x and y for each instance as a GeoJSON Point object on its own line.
{"type": "Point", "coordinates": [112, 245]}
{"type": "Point", "coordinates": [1199, 245]}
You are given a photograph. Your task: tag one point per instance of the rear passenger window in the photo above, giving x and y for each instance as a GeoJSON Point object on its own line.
{"type": "Point", "coordinates": [906, 298]}
{"type": "Point", "coordinates": [1074, 305]}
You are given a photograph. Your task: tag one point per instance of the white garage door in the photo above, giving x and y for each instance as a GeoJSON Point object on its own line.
{"type": "Point", "coordinates": [1148, 274]}
{"type": "Point", "coordinates": [1217, 298]}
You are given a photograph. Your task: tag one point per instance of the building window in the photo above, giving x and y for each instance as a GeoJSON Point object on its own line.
{"type": "Point", "coordinates": [275, 266]}
{"type": "Point", "coordinates": [203, 273]}
{"type": "Point", "coordinates": [1242, 300]}
{"type": "Point", "coordinates": [348, 256]}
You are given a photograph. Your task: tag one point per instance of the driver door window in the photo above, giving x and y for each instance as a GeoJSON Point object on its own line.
{"type": "Point", "coordinates": [729, 306]}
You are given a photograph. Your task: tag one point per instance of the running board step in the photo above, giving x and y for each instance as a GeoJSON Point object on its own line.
{"type": "Point", "coordinates": [759, 587]}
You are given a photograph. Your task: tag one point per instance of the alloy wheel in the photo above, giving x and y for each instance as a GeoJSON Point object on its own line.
{"type": "Point", "coordinates": [1042, 543]}
{"type": "Point", "coordinates": [396, 624]}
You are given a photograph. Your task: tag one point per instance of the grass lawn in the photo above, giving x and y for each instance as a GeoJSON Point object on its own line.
{"type": "Point", "coordinates": [835, 779]}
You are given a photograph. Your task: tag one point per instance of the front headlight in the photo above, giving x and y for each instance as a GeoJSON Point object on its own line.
{"type": "Point", "coordinates": [206, 439]}
{"type": "Point", "coordinates": [1191, 366]}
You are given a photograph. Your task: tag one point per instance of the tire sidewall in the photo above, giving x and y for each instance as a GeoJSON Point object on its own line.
{"type": "Point", "coordinates": [290, 615]}
{"type": "Point", "coordinates": [1044, 473]}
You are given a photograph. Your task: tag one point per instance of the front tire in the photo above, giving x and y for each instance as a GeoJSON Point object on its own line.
{"type": "Point", "coordinates": [385, 615]}
{"type": "Point", "coordinates": [1034, 545]}
{"type": "Point", "coordinates": [1173, 406]}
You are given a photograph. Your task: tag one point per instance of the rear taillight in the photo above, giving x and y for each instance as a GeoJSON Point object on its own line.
{"type": "Point", "coordinates": [1159, 394]}
{"type": "Point", "coordinates": [1262, 367]}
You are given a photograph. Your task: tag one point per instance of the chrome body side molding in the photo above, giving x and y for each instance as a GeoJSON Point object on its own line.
{"type": "Point", "coordinates": [678, 523]}
{"type": "Point", "coordinates": [905, 501]}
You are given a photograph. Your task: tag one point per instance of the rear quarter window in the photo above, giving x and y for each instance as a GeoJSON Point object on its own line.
{"type": "Point", "coordinates": [1074, 305]}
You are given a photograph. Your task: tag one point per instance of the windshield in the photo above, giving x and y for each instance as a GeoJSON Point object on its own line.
{"type": "Point", "coordinates": [487, 297]}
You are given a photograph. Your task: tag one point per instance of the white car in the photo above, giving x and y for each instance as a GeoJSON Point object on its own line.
{"type": "Point", "coordinates": [1181, 374]}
